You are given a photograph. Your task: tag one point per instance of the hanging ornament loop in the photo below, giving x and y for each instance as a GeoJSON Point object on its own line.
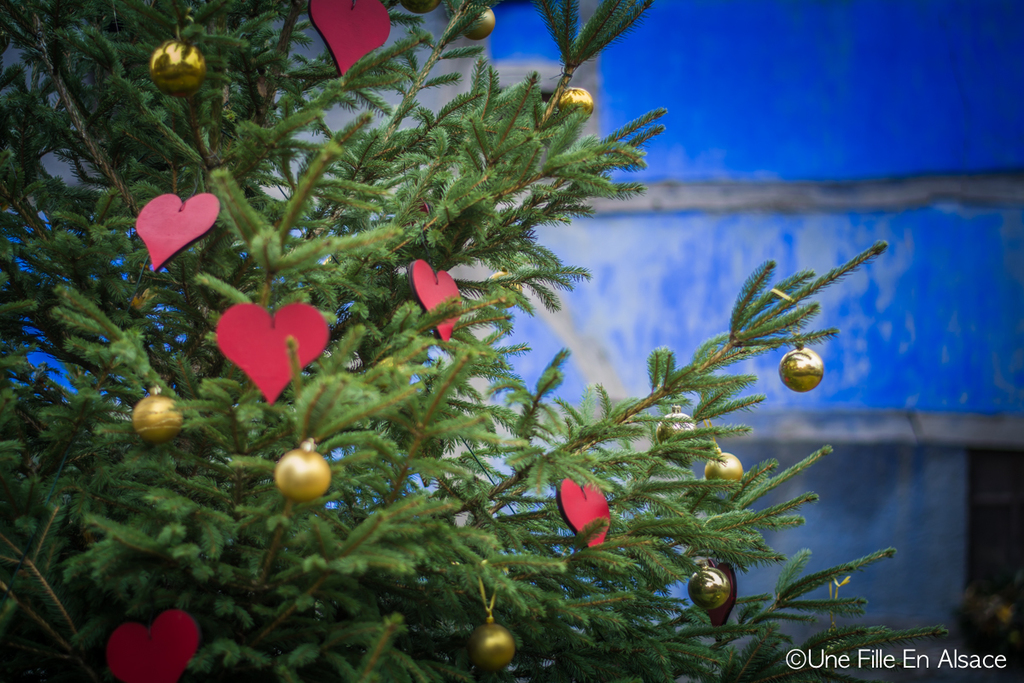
{"type": "Point", "coordinates": [426, 249]}
{"type": "Point", "coordinates": [782, 295]}
{"type": "Point", "coordinates": [489, 607]}
{"type": "Point", "coordinates": [189, 19]}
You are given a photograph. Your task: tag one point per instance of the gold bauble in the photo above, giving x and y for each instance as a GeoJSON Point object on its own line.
{"type": "Point", "coordinates": [515, 285]}
{"type": "Point", "coordinates": [731, 469]}
{"type": "Point", "coordinates": [177, 68]}
{"type": "Point", "coordinates": [483, 26]}
{"type": "Point", "coordinates": [302, 474]}
{"type": "Point", "coordinates": [576, 97]}
{"type": "Point", "coordinates": [673, 423]}
{"type": "Point", "coordinates": [156, 419]}
{"type": "Point", "coordinates": [420, 6]}
{"type": "Point", "coordinates": [491, 647]}
{"type": "Point", "coordinates": [708, 588]}
{"type": "Point", "coordinates": [801, 369]}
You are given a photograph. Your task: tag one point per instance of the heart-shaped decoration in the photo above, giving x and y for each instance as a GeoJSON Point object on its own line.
{"type": "Point", "coordinates": [431, 289]}
{"type": "Point", "coordinates": [158, 654]}
{"type": "Point", "coordinates": [168, 225]}
{"type": "Point", "coordinates": [720, 615]}
{"type": "Point", "coordinates": [581, 505]}
{"type": "Point", "coordinates": [351, 28]}
{"type": "Point", "coordinates": [257, 342]}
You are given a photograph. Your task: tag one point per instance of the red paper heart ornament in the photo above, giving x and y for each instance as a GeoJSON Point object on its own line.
{"type": "Point", "coordinates": [351, 28]}
{"type": "Point", "coordinates": [257, 342]}
{"type": "Point", "coordinates": [581, 505]}
{"type": "Point", "coordinates": [431, 289]}
{"type": "Point", "coordinates": [158, 654]}
{"type": "Point", "coordinates": [720, 615]}
{"type": "Point", "coordinates": [167, 225]}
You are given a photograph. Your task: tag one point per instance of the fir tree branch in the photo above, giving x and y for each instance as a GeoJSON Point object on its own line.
{"type": "Point", "coordinates": [7, 489]}
{"type": "Point", "coordinates": [45, 653]}
{"type": "Point", "coordinates": [31, 219]}
{"type": "Point", "coordinates": [32, 566]}
{"type": "Point", "coordinates": [288, 612]}
{"type": "Point", "coordinates": [208, 159]}
{"type": "Point", "coordinates": [582, 444]}
{"type": "Point", "coordinates": [76, 118]}
{"type": "Point", "coordinates": [330, 151]}
{"type": "Point", "coordinates": [371, 658]}
{"type": "Point", "coordinates": [421, 77]}
{"type": "Point", "coordinates": [283, 44]}
{"type": "Point", "coordinates": [760, 643]}
{"type": "Point", "coordinates": [276, 543]}
{"type": "Point", "coordinates": [567, 73]}
{"type": "Point", "coordinates": [50, 592]}
{"type": "Point", "coordinates": [35, 617]}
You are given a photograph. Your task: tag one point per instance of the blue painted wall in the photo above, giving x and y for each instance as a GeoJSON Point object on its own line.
{"type": "Point", "coordinates": [875, 497]}
{"type": "Point", "coordinates": [823, 89]}
{"type": "Point", "coordinates": [524, 35]}
{"type": "Point", "coordinates": [820, 90]}
{"type": "Point", "coordinates": [811, 89]}
{"type": "Point", "coordinates": [936, 323]}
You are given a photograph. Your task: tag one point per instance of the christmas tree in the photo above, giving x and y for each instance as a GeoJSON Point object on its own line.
{"type": "Point", "coordinates": [440, 510]}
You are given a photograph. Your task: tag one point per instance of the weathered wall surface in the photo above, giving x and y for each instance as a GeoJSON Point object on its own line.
{"type": "Point", "coordinates": [817, 89]}
{"type": "Point", "coordinates": [935, 324]}
{"type": "Point", "coordinates": [802, 131]}
{"type": "Point", "coordinates": [875, 497]}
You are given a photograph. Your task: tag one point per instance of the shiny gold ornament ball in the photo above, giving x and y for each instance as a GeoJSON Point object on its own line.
{"type": "Point", "coordinates": [483, 26]}
{"type": "Point", "coordinates": [420, 6]}
{"type": "Point", "coordinates": [731, 469]}
{"type": "Point", "coordinates": [801, 369]}
{"type": "Point", "coordinates": [576, 97]}
{"type": "Point", "coordinates": [156, 419]}
{"type": "Point", "coordinates": [491, 647]}
{"type": "Point", "coordinates": [177, 68]}
{"type": "Point", "coordinates": [302, 474]}
{"type": "Point", "coordinates": [708, 588]}
{"type": "Point", "coordinates": [673, 423]}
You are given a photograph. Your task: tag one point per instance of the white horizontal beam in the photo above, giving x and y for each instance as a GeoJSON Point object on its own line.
{"type": "Point", "coordinates": [814, 197]}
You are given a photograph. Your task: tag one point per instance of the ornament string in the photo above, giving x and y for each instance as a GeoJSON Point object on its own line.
{"type": "Point", "coordinates": [46, 504]}
{"type": "Point", "coordinates": [138, 283]}
{"type": "Point", "coordinates": [485, 473]}
{"type": "Point", "coordinates": [482, 469]}
{"type": "Point", "coordinates": [838, 585]}
{"type": "Point", "coordinates": [483, 598]}
{"type": "Point", "coordinates": [189, 18]}
{"type": "Point", "coordinates": [426, 248]}
{"type": "Point", "coordinates": [707, 423]}
{"type": "Point", "coordinates": [783, 295]}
